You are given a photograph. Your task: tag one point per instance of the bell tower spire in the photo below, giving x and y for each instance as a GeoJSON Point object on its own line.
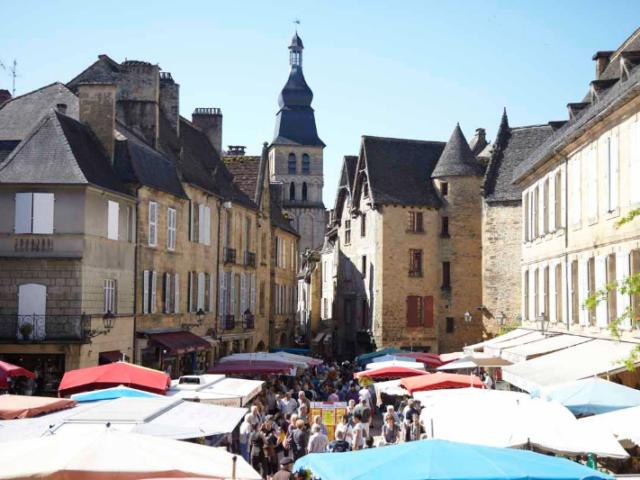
{"type": "Point", "coordinates": [295, 49]}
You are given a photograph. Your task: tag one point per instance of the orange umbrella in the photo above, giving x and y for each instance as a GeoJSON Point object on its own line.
{"type": "Point", "coordinates": [23, 406]}
{"type": "Point", "coordinates": [440, 380]}
{"type": "Point", "coordinates": [389, 372]}
{"type": "Point", "coordinates": [113, 375]}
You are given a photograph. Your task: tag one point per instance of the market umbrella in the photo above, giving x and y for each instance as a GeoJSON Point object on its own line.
{"type": "Point", "coordinates": [395, 363]}
{"type": "Point", "coordinates": [367, 357]}
{"type": "Point", "coordinates": [253, 367]}
{"type": "Point", "coordinates": [26, 406]}
{"type": "Point", "coordinates": [389, 372]}
{"type": "Point", "coordinates": [440, 380]}
{"type": "Point", "coordinates": [114, 375]}
{"type": "Point", "coordinates": [432, 360]}
{"type": "Point", "coordinates": [440, 460]}
{"type": "Point", "coordinates": [391, 358]}
{"type": "Point", "coordinates": [623, 424]}
{"type": "Point", "coordinates": [590, 396]}
{"type": "Point", "coordinates": [115, 455]}
{"type": "Point", "coordinates": [10, 370]}
{"type": "Point", "coordinates": [111, 394]}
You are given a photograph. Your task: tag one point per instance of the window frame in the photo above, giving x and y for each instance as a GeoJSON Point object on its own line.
{"type": "Point", "coordinates": [153, 224]}
{"type": "Point", "coordinates": [171, 228]}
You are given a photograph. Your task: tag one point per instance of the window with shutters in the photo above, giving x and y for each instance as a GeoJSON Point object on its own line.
{"type": "Point", "coordinates": [347, 232]}
{"type": "Point", "coordinates": [576, 189]}
{"type": "Point", "coordinates": [363, 225]}
{"type": "Point", "coordinates": [591, 287]}
{"type": "Point", "coordinates": [415, 312]}
{"type": "Point", "coordinates": [612, 307]}
{"type": "Point", "coordinates": [526, 295]}
{"type": "Point", "coordinates": [558, 293]}
{"type": "Point", "coordinates": [536, 294]}
{"type": "Point", "coordinates": [536, 212]}
{"type": "Point", "coordinates": [201, 289]}
{"type": "Point", "coordinates": [545, 207]}
{"type": "Point", "coordinates": [415, 263]}
{"type": "Point", "coordinates": [557, 186]}
{"type": "Point", "coordinates": [416, 224]}
{"type": "Point", "coordinates": [113, 219]}
{"type": "Point", "coordinates": [525, 215]}
{"type": "Point", "coordinates": [34, 213]}
{"type": "Point", "coordinates": [444, 227]}
{"type": "Point", "coordinates": [592, 183]}
{"type": "Point", "coordinates": [450, 327]}
{"type": "Point", "coordinates": [167, 296]}
{"type": "Point", "coordinates": [149, 279]}
{"type": "Point", "coordinates": [110, 296]}
{"type": "Point", "coordinates": [446, 275]}
{"type": "Point", "coordinates": [612, 160]}
{"type": "Point", "coordinates": [153, 224]}
{"type": "Point", "coordinates": [176, 293]}
{"type": "Point", "coordinates": [575, 292]}
{"type": "Point", "coordinates": [171, 229]}
{"type": "Point", "coordinates": [545, 299]}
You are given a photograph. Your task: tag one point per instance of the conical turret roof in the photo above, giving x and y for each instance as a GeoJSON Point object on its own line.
{"type": "Point", "coordinates": [457, 159]}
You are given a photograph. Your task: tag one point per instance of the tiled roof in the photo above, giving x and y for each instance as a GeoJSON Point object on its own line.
{"type": "Point", "coordinates": [399, 170]}
{"type": "Point", "coordinates": [19, 115]}
{"type": "Point", "coordinates": [511, 147]}
{"type": "Point", "coordinates": [61, 150]}
{"type": "Point", "coordinates": [457, 159]}
{"type": "Point", "coordinates": [245, 170]}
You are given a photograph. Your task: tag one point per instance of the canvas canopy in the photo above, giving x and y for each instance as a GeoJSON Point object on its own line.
{"type": "Point", "coordinates": [111, 394]}
{"type": "Point", "coordinates": [216, 389]}
{"type": "Point", "coordinates": [521, 353]}
{"type": "Point", "coordinates": [22, 406]}
{"type": "Point", "coordinates": [389, 372]}
{"type": "Point", "coordinates": [440, 380]}
{"type": "Point", "coordinates": [395, 363]}
{"type": "Point", "coordinates": [623, 424]}
{"type": "Point", "coordinates": [9, 370]}
{"type": "Point", "coordinates": [478, 347]}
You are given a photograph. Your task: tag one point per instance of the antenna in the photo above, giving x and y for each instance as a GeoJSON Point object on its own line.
{"type": "Point", "coordinates": [13, 71]}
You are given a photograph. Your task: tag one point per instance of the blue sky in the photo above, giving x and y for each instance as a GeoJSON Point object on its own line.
{"type": "Point", "coordinates": [409, 69]}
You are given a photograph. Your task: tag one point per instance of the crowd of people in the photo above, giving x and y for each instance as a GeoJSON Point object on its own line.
{"type": "Point", "coordinates": [279, 429]}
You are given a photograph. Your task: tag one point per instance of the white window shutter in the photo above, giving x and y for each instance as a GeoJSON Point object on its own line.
{"type": "Point", "coordinates": [145, 291]}
{"type": "Point", "coordinates": [201, 285]}
{"type": "Point", "coordinates": [622, 272]}
{"type": "Point", "coordinates": [563, 197]}
{"type": "Point", "coordinates": [243, 293]}
{"type": "Point", "coordinates": [207, 226]}
{"type": "Point", "coordinates": [592, 183]}
{"type": "Point", "coordinates": [154, 285]}
{"type": "Point", "coordinates": [113, 217]}
{"type": "Point", "coordinates": [153, 223]}
{"type": "Point", "coordinates": [43, 213]}
{"type": "Point", "coordinates": [567, 294]}
{"type": "Point", "coordinates": [551, 314]}
{"type": "Point", "coordinates": [23, 212]}
{"type": "Point", "coordinates": [552, 203]}
{"type": "Point", "coordinates": [201, 224]}
{"type": "Point", "coordinates": [212, 292]}
{"type": "Point", "coordinates": [232, 294]}
{"type": "Point", "coordinates": [176, 293]}
{"type": "Point", "coordinates": [190, 292]}
{"type": "Point", "coordinates": [601, 281]}
{"type": "Point", "coordinates": [583, 291]}
{"type": "Point", "coordinates": [221, 294]}
{"type": "Point", "coordinates": [576, 189]}
{"type": "Point", "coordinates": [253, 293]}
{"type": "Point", "coordinates": [634, 162]}
{"type": "Point", "coordinates": [614, 182]}
{"type": "Point", "coordinates": [166, 281]}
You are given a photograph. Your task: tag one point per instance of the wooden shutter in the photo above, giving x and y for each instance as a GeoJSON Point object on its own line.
{"type": "Point", "coordinates": [602, 314]}
{"type": "Point", "coordinates": [412, 311]}
{"type": "Point", "coordinates": [622, 300]}
{"type": "Point", "coordinates": [23, 212]}
{"type": "Point", "coordinates": [154, 285]}
{"type": "Point", "coordinates": [212, 293]}
{"type": "Point", "coordinates": [427, 309]}
{"type": "Point", "coordinates": [190, 292]}
{"type": "Point", "coordinates": [207, 289]}
{"type": "Point", "coordinates": [196, 223]}
{"type": "Point", "coordinates": [232, 293]}
{"type": "Point", "coordinates": [145, 291]}
{"type": "Point", "coordinates": [165, 293]}
{"type": "Point", "coordinates": [113, 215]}
{"type": "Point", "coordinates": [202, 224]}
{"type": "Point", "coordinates": [253, 293]}
{"type": "Point", "coordinates": [43, 213]}
{"type": "Point", "coordinates": [176, 293]}
{"type": "Point", "coordinates": [634, 162]}
{"type": "Point", "coordinates": [243, 293]}
{"type": "Point", "coordinates": [221, 294]}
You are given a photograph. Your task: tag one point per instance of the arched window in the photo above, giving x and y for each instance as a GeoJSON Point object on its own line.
{"type": "Point", "coordinates": [306, 163]}
{"type": "Point", "coordinates": [291, 164]}
{"type": "Point", "coordinates": [292, 191]}
{"type": "Point", "coordinates": [304, 191]}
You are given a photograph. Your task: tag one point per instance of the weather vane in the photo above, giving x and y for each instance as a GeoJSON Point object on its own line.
{"type": "Point", "coordinates": [296, 22]}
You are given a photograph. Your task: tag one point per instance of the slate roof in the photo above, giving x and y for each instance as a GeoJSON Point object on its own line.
{"type": "Point", "coordinates": [103, 70]}
{"type": "Point", "coordinates": [511, 147]}
{"type": "Point", "coordinates": [399, 171]}
{"type": "Point", "coordinates": [245, 170]}
{"type": "Point", "coordinates": [345, 184]}
{"type": "Point", "coordinates": [19, 115]}
{"type": "Point", "coordinates": [276, 214]}
{"type": "Point", "coordinates": [61, 150]}
{"type": "Point", "coordinates": [614, 97]}
{"type": "Point", "coordinates": [136, 162]}
{"type": "Point", "coordinates": [457, 159]}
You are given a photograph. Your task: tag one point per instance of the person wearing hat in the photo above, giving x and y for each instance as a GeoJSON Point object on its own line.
{"type": "Point", "coordinates": [286, 464]}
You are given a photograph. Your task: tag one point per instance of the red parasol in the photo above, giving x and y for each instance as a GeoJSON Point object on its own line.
{"type": "Point", "coordinates": [113, 375]}
{"type": "Point", "coordinates": [437, 381]}
{"type": "Point", "coordinates": [389, 372]}
{"type": "Point", "coordinates": [252, 367]}
{"type": "Point", "coordinates": [9, 370]}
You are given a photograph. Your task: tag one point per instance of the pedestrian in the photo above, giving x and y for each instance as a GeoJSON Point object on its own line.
{"type": "Point", "coordinates": [258, 459]}
{"type": "Point", "coordinates": [303, 413]}
{"type": "Point", "coordinates": [246, 428]}
{"type": "Point", "coordinates": [415, 431]}
{"type": "Point", "coordinates": [359, 436]}
{"type": "Point", "coordinates": [288, 405]}
{"type": "Point", "coordinates": [317, 440]}
{"type": "Point", "coordinates": [391, 411]}
{"type": "Point", "coordinates": [270, 447]}
{"type": "Point", "coordinates": [286, 464]}
{"type": "Point", "coordinates": [317, 420]}
{"type": "Point", "coordinates": [303, 400]}
{"type": "Point", "coordinates": [333, 396]}
{"type": "Point", "coordinates": [488, 381]}
{"type": "Point", "coordinates": [364, 409]}
{"type": "Point", "coordinates": [345, 427]}
{"type": "Point", "coordinates": [339, 444]}
{"type": "Point", "coordinates": [299, 440]}
{"type": "Point", "coordinates": [369, 442]}
{"type": "Point", "coordinates": [390, 431]}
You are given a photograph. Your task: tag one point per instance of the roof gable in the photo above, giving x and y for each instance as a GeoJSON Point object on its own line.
{"type": "Point", "coordinates": [457, 159]}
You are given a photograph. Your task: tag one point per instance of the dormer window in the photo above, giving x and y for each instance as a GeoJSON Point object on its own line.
{"type": "Point", "coordinates": [291, 164]}
{"type": "Point", "coordinates": [306, 163]}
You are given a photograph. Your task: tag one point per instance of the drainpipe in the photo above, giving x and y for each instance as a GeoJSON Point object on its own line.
{"type": "Point", "coordinates": [135, 277]}
{"type": "Point", "coordinates": [217, 279]}
{"type": "Point", "coordinates": [567, 266]}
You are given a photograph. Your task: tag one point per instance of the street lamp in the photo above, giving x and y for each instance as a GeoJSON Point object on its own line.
{"type": "Point", "coordinates": [542, 318]}
{"type": "Point", "coordinates": [108, 322]}
{"type": "Point", "coordinates": [199, 320]}
{"type": "Point", "coordinates": [467, 317]}
{"type": "Point", "coordinates": [502, 319]}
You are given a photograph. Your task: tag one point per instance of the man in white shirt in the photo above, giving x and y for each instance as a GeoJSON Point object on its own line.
{"type": "Point", "coordinates": [288, 405]}
{"type": "Point", "coordinates": [318, 440]}
{"type": "Point", "coordinates": [359, 433]}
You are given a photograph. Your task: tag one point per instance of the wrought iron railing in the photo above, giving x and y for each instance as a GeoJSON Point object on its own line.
{"type": "Point", "coordinates": [229, 255]}
{"type": "Point", "coordinates": [249, 321]}
{"type": "Point", "coordinates": [228, 322]}
{"type": "Point", "coordinates": [34, 328]}
{"type": "Point", "coordinates": [250, 259]}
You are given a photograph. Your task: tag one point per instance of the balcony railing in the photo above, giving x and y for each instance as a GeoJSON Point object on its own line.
{"type": "Point", "coordinates": [229, 255]}
{"type": "Point", "coordinates": [43, 328]}
{"type": "Point", "coordinates": [228, 322]}
{"type": "Point", "coordinates": [250, 259]}
{"type": "Point", "coordinates": [33, 244]}
{"type": "Point", "coordinates": [249, 322]}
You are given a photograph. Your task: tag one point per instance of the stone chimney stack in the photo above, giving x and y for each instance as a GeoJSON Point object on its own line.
{"type": "Point", "coordinates": [138, 105]}
{"type": "Point", "coordinates": [98, 110]}
{"type": "Point", "coordinates": [4, 96]}
{"type": "Point", "coordinates": [209, 120]}
{"type": "Point", "coordinates": [602, 60]}
{"type": "Point", "coordinates": [170, 100]}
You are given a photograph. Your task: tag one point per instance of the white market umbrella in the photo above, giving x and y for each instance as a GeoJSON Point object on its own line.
{"type": "Point", "coordinates": [114, 455]}
{"type": "Point", "coordinates": [506, 421]}
{"type": "Point", "coordinates": [391, 358]}
{"type": "Point", "coordinates": [265, 357]}
{"type": "Point", "coordinates": [623, 424]}
{"type": "Point", "coordinates": [395, 363]}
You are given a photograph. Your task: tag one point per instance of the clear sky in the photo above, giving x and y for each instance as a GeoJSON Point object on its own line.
{"type": "Point", "coordinates": [409, 69]}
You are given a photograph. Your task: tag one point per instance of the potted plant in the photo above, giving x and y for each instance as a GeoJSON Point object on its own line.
{"type": "Point", "coordinates": [25, 330]}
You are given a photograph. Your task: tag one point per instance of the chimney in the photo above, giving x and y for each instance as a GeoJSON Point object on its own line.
{"type": "Point", "coordinates": [62, 108]}
{"type": "Point", "coordinates": [4, 96]}
{"type": "Point", "coordinates": [209, 120]}
{"type": "Point", "coordinates": [602, 60]}
{"type": "Point", "coordinates": [170, 100]}
{"type": "Point", "coordinates": [138, 105]}
{"type": "Point", "coordinates": [98, 111]}
{"type": "Point", "coordinates": [236, 150]}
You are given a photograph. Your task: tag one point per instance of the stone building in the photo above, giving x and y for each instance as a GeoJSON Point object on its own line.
{"type": "Point", "coordinates": [407, 225]}
{"type": "Point", "coordinates": [502, 222]}
{"type": "Point", "coordinates": [66, 236]}
{"type": "Point", "coordinates": [296, 154]}
{"type": "Point", "coordinates": [277, 253]}
{"type": "Point", "coordinates": [576, 187]}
